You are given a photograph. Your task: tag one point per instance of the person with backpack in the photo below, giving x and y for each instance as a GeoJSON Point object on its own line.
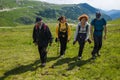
{"type": "Point", "coordinates": [63, 34]}
{"type": "Point", "coordinates": [42, 37]}
{"type": "Point", "coordinates": [82, 33]}
{"type": "Point", "coordinates": [99, 25]}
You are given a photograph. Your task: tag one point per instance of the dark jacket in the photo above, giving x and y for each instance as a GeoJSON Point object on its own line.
{"type": "Point", "coordinates": [42, 36]}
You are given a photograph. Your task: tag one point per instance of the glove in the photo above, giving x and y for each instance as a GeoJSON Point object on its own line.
{"type": "Point", "coordinates": [74, 42]}
{"type": "Point", "coordinates": [50, 44]}
{"type": "Point", "coordinates": [56, 40]}
{"type": "Point", "coordinates": [89, 41]}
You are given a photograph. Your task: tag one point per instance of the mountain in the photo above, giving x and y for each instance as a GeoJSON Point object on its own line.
{"type": "Point", "coordinates": [83, 8]}
{"type": "Point", "coordinates": [15, 12]}
{"type": "Point", "coordinates": [114, 14]}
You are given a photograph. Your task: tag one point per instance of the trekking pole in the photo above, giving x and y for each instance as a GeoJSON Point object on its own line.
{"type": "Point", "coordinates": [58, 47]}
{"type": "Point", "coordinates": [48, 48]}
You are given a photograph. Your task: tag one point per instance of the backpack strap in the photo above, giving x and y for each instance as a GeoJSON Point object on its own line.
{"type": "Point", "coordinates": [66, 27]}
{"type": "Point", "coordinates": [44, 26]}
{"type": "Point", "coordinates": [60, 26]}
{"type": "Point", "coordinates": [94, 20]}
{"type": "Point", "coordinates": [79, 27]}
{"type": "Point", "coordinates": [87, 28]}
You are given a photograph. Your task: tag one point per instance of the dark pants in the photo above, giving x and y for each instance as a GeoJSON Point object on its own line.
{"type": "Point", "coordinates": [81, 40]}
{"type": "Point", "coordinates": [63, 44]}
{"type": "Point", "coordinates": [97, 44]}
{"type": "Point", "coordinates": [42, 53]}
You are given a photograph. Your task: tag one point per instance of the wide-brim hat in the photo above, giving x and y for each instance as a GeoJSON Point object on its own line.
{"type": "Point", "coordinates": [83, 16]}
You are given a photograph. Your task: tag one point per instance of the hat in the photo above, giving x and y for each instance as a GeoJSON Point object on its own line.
{"type": "Point", "coordinates": [38, 19]}
{"type": "Point", "coordinates": [83, 16]}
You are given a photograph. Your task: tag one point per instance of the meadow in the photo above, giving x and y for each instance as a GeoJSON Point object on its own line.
{"type": "Point", "coordinates": [19, 57]}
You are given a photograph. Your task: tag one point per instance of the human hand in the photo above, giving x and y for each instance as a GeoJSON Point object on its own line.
{"type": "Point", "coordinates": [74, 42]}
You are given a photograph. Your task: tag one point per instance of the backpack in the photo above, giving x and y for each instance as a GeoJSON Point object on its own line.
{"type": "Point", "coordinates": [63, 33]}
{"type": "Point", "coordinates": [43, 26]}
{"type": "Point", "coordinates": [79, 30]}
{"type": "Point", "coordinates": [80, 27]}
{"type": "Point", "coordinates": [41, 31]}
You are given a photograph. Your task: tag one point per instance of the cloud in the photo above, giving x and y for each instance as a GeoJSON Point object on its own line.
{"type": "Point", "coordinates": [102, 4]}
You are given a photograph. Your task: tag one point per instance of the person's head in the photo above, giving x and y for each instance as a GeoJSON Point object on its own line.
{"type": "Point", "coordinates": [83, 18]}
{"type": "Point", "coordinates": [38, 20]}
{"type": "Point", "coordinates": [98, 14]}
{"type": "Point", "coordinates": [62, 19]}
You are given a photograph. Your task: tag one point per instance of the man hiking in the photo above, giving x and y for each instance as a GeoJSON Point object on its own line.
{"type": "Point", "coordinates": [41, 37]}
{"type": "Point", "coordinates": [63, 33]}
{"type": "Point", "coordinates": [82, 33]}
{"type": "Point", "coordinates": [99, 25]}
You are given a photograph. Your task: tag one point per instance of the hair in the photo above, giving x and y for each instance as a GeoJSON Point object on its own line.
{"type": "Point", "coordinates": [61, 18]}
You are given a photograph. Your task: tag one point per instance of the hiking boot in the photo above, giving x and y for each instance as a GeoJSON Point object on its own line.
{"type": "Point", "coordinates": [93, 57]}
{"type": "Point", "coordinates": [43, 64]}
{"type": "Point", "coordinates": [61, 56]}
{"type": "Point", "coordinates": [79, 58]}
{"type": "Point", "coordinates": [98, 54]}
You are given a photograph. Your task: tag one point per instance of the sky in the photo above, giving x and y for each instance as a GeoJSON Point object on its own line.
{"type": "Point", "coordinates": [101, 4]}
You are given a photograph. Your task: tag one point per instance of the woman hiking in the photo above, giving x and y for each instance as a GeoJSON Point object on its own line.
{"type": "Point", "coordinates": [63, 34]}
{"type": "Point", "coordinates": [82, 33]}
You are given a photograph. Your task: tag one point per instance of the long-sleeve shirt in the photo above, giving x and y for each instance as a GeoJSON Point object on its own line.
{"type": "Point", "coordinates": [42, 35]}
{"type": "Point", "coordinates": [82, 30]}
{"type": "Point", "coordinates": [63, 29]}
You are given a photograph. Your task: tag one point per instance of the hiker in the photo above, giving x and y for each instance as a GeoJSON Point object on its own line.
{"type": "Point", "coordinates": [82, 33]}
{"type": "Point", "coordinates": [42, 37]}
{"type": "Point", "coordinates": [99, 24]}
{"type": "Point", "coordinates": [63, 34]}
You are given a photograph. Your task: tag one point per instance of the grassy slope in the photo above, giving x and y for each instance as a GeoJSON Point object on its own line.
{"type": "Point", "coordinates": [19, 58]}
{"type": "Point", "coordinates": [9, 18]}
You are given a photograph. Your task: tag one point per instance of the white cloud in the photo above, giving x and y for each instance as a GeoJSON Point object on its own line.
{"type": "Point", "coordinates": [102, 4]}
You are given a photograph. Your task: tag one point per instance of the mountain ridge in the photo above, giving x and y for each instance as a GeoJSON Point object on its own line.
{"type": "Point", "coordinates": [30, 9]}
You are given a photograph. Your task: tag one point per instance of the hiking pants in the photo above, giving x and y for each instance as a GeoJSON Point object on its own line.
{"type": "Point", "coordinates": [97, 44]}
{"type": "Point", "coordinates": [81, 41]}
{"type": "Point", "coordinates": [63, 44]}
{"type": "Point", "coordinates": [42, 53]}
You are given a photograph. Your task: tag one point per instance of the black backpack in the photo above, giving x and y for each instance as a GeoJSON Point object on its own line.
{"type": "Point", "coordinates": [79, 30]}
{"type": "Point", "coordinates": [80, 27]}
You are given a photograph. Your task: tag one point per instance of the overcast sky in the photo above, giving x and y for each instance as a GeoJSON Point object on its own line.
{"type": "Point", "coordinates": [102, 4]}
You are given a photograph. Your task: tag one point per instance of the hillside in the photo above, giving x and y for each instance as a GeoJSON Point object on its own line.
{"type": "Point", "coordinates": [114, 14]}
{"type": "Point", "coordinates": [19, 57]}
{"type": "Point", "coordinates": [24, 12]}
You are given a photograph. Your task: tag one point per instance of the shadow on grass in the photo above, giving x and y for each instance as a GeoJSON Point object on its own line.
{"type": "Point", "coordinates": [24, 68]}
{"type": "Point", "coordinates": [72, 62]}
{"type": "Point", "coordinates": [62, 61]}
{"type": "Point", "coordinates": [78, 63]}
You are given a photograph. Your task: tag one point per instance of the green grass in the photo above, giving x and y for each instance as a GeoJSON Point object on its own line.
{"type": "Point", "coordinates": [19, 57]}
{"type": "Point", "coordinates": [117, 21]}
